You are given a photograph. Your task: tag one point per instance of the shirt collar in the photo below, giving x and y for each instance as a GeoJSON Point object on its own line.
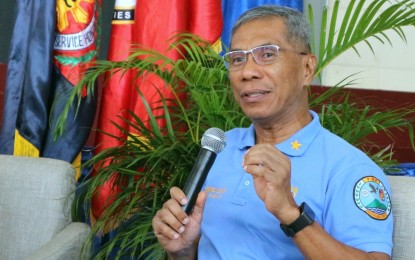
{"type": "Point", "coordinates": [296, 145]}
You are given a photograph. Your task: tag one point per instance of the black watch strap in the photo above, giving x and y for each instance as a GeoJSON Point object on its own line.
{"type": "Point", "coordinates": [305, 219]}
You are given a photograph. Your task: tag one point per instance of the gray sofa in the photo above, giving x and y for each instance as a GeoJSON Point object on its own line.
{"type": "Point", "coordinates": [35, 201]}
{"type": "Point", "coordinates": [403, 208]}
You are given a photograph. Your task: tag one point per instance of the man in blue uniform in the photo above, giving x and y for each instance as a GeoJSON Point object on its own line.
{"type": "Point", "coordinates": [284, 188]}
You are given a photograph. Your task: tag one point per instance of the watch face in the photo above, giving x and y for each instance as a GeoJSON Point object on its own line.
{"type": "Point", "coordinates": [308, 211]}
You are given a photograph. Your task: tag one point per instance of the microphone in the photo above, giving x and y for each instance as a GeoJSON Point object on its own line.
{"type": "Point", "coordinates": [213, 142]}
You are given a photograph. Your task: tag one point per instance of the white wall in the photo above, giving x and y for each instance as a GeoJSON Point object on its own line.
{"type": "Point", "coordinates": [390, 68]}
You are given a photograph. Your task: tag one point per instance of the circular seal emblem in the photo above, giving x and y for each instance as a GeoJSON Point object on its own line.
{"type": "Point", "coordinates": [371, 196]}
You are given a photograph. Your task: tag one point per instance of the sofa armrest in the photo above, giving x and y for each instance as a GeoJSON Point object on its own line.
{"type": "Point", "coordinates": [403, 208]}
{"type": "Point", "coordinates": [67, 244]}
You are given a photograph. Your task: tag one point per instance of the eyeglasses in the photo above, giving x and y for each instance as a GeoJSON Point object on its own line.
{"type": "Point", "coordinates": [263, 55]}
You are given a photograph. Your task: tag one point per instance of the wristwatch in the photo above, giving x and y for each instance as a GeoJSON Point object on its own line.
{"type": "Point", "coordinates": [306, 218]}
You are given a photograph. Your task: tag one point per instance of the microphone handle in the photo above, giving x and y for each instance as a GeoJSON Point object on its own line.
{"type": "Point", "coordinates": [197, 177]}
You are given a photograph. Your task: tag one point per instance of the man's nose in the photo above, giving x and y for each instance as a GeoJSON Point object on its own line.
{"type": "Point", "coordinates": [250, 69]}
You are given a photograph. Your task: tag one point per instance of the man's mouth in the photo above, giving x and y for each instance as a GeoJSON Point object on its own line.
{"type": "Point", "coordinates": [254, 94]}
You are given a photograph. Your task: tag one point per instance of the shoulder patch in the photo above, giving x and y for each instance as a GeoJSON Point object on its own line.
{"type": "Point", "coordinates": [371, 196]}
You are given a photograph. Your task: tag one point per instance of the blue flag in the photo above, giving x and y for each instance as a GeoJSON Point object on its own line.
{"type": "Point", "coordinates": [233, 9]}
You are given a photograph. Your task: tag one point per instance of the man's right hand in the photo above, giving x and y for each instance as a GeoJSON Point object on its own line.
{"type": "Point", "coordinates": [177, 232]}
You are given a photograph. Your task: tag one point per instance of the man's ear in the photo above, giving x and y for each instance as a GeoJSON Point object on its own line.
{"type": "Point", "coordinates": [310, 63]}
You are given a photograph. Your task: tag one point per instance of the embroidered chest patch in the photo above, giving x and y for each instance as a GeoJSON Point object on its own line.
{"type": "Point", "coordinates": [371, 196]}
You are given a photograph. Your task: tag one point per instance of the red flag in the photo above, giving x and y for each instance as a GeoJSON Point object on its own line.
{"type": "Point", "coordinates": [116, 92]}
{"type": "Point", "coordinates": [117, 89]}
{"type": "Point", "coordinates": [154, 24]}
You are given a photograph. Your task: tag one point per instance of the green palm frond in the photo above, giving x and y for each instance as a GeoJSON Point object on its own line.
{"type": "Point", "coordinates": [363, 20]}
{"type": "Point", "coordinates": [315, 101]}
{"type": "Point", "coordinates": [142, 171]}
{"type": "Point", "coordinates": [355, 122]}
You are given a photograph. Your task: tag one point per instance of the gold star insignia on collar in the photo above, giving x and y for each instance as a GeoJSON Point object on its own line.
{"type": "Point", "coordinates": [295, 145]}
{"type": "Point", "coordinates": [294, 191]}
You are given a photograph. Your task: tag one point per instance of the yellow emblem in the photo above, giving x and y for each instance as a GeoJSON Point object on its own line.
{"type": "Point", "coordinates": [295, 145]}
{"type": "Point", "coordinates": [75, 8]}
{"type": "Point", "coordinates": [294, 191]}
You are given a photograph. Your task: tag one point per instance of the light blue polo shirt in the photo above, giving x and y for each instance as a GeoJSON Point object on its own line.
{"type": "Point", "coordinates": [349, 194]}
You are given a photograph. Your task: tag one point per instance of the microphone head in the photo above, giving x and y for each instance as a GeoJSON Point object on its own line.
{"type": "Point", "coordinates": [214, 139]}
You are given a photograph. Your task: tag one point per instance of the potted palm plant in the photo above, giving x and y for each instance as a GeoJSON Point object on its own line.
{"type": "Point", "coordinates": [147, 167]}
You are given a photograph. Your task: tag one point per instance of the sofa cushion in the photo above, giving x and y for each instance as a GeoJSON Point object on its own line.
{"type": "Point", "coordinates": [35, 202]}
{"type": "Point", "coordinates": [403, 208]}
